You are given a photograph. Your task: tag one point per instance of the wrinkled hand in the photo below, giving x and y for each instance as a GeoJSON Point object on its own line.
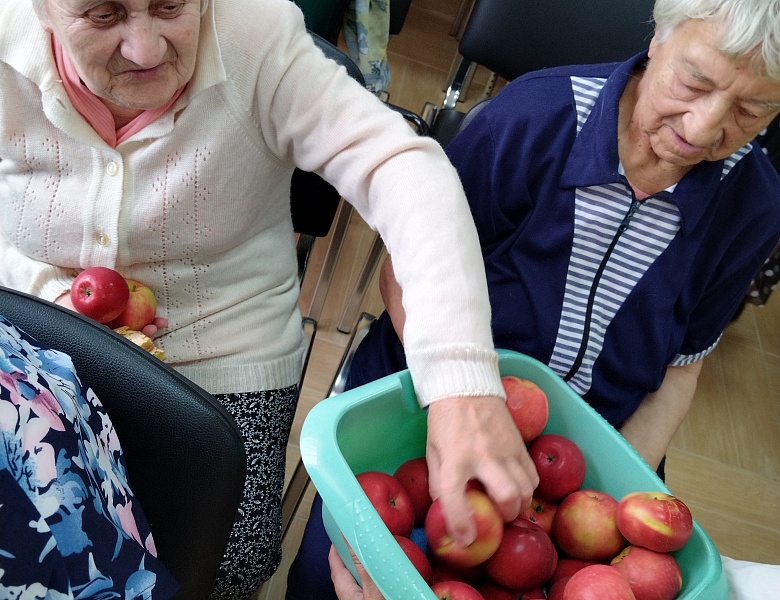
{"type": "Point", "coordinates": [346, 586]}
{"type": "Point", "coordinates": [150, 330]}
{"type": "Point", "coordinates": [476, 438]}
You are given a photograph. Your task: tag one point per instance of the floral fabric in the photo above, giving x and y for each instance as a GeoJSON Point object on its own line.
{"type": "Point", "coordinates": [70, 527]}
{"type": "Point", "coordinates": [367, 33]}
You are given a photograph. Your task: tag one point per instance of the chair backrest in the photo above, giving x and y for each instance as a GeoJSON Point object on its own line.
{"type": "Point", "coordinates": [512, 37]}
{"type": "Point", "coordinates": [184, 452]}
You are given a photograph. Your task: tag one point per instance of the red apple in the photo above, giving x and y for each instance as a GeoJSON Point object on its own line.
{"type": "Point", "coordinates": [490, 527]}
{"type": "Point", "coordinates": [493, 591]}
{"type": "Point", "coordinates": [526, 557]}
{"type": "Point", "coordinates": [455, 590]}
{"type": "Point", "coordinates": [655, 520]}
{"type": "Point", "coordinates": [140, 310]}
{"type": "Point", "coordinates": [527, 403]}
{"type": "Point", "coordinates": [99, 293]}
{"type": "Point", "coordinates": [560, 464]}
{"type": "Point", "coordinates": [417, 557]}
{"type": "Point", "coordinates": [390, 500]}
{"type": "Point", "coordinates": [555, 589]}
{"type": "Point", "coordinates": [568, 566]}
{"type": "Point", "coordinates": [541, 512]}
{"type": "Point", "coordinates": [413, 475]}
{"type": "Point", "coordinates": [585, 526]}
{"type": "Point", "coordinates": [598, 582]}
{"type": "Point", "coordinates": [652, 575]}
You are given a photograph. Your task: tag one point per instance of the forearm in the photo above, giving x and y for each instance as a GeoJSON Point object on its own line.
{"type": "Point", "coordinates": [651, 428]}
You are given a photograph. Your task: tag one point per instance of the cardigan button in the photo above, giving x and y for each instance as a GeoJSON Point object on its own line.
{"type": "Point", "coordinates": [103, 239]}
{"type": "Point", "coordinates": [112, 168]}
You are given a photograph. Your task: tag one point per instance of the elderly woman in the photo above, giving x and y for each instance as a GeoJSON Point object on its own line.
{"type": "Point", "coordinates": [158, 137]}
{"type": "Point", "coordinates": [622, 211]}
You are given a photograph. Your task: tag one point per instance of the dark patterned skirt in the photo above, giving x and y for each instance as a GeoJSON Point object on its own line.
{"type": "Point", "coordinates": [254, 550]}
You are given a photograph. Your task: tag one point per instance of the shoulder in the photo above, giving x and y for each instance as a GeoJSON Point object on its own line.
{"type": "Point", "coordinates": [542, 99]}
{"type": "Point", "coordinates": [256, 30]}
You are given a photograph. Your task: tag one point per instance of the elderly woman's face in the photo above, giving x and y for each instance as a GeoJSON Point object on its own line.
{"type": "Point", "coordinates": [696, 104]}
{"type": "Point", "coordinates": [133, 54]}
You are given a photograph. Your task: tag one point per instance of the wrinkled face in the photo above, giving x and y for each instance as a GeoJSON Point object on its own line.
{"type": "Point", "coordinates": [696, 104]}
{"type": "Point", "coordinates": [133, 54]}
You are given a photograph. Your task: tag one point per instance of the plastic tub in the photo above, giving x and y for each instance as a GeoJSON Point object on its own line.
{"type": "Point", "coordinates": [380, 425]}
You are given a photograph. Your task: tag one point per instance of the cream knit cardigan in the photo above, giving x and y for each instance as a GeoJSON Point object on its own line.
{"type": "Point", "coordinates": [196, 205]}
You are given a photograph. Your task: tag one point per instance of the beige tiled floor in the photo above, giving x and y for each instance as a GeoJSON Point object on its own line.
{"type": "Point", "coordinates": [724, 461]}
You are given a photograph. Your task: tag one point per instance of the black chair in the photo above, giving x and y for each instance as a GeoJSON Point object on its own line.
{"type": "Point", "coordinates": [512, 37]}
{"type": "Point", "coordinates": [184, 452]}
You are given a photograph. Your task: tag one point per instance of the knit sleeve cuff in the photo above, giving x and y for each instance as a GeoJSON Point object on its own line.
{"type": "Point", "coordinates": [444, 372]}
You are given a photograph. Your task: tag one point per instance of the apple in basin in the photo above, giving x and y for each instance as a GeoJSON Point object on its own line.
{"type": "Point", "coordinates": [652, 575]}
{"type": "Point", "coordinates": [390, 500]}
{"type": "Point", "coordinates": [598, 582]}
{"type": "Point", "coordinates": [585, 526]}
{"type": "Point", "coordinates": [528, 405]}
{"type": "Point", "coordinates": [655, 520]}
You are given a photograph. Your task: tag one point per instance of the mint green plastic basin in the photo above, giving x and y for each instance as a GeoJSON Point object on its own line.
{"type": "Point", "coordinates": [380, 425]}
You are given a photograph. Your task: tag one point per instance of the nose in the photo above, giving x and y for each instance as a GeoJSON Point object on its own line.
{"type": "Point", "coordinates": [142, 42]}
{"type": "Point", "coordinates": [707, 122]}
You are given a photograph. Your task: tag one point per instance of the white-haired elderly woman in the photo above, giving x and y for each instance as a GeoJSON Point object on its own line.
{"type": "Point", "coordinates": [626, 208]}
{"type": "Point", "coordinates": [158, 137]}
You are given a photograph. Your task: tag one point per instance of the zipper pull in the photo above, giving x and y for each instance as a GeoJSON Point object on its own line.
{"type": "Point", "coordinates": [631, 211]}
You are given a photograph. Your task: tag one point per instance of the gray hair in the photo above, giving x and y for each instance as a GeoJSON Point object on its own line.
{"type": "Point", "coordinates": [40, 5]}
{"type": "Point", "coordinates": [747, 29]}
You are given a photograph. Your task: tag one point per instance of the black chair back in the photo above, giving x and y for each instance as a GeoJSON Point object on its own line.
{"type": "Point", "coordinates": [512, 37]}
{"type": "Point", "coordinates": [184, 452]}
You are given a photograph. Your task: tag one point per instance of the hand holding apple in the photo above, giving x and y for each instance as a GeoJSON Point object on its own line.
{"type": "Point", "coordinates": [490, 528]}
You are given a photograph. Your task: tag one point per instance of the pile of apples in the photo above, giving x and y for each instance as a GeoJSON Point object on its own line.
{"type": "Point", "coordinates": [104, 295]}
{"type": "Point", "coordinates": [571, 544]}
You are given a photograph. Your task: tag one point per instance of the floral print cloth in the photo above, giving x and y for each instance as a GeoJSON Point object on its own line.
{"type": "Point", "coordinates": [70, 527]}
{"type": "Point", "coordinates": [367, 33]}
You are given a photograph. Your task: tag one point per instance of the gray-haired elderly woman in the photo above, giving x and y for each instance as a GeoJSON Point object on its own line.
{"type": "Point", "coordinates": [634, 191]}
{"type": "Point", "coordinates": [158, 137]}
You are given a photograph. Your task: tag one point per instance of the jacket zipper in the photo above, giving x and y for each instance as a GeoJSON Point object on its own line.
{"type": "Point", "coordinates": [635, 204]}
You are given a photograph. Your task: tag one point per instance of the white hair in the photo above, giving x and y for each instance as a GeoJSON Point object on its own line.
{"type": "Point", "coordinates": [747, 28]}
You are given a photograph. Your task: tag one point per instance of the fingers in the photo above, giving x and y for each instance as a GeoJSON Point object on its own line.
{"type": "Point", "coordinates": [152, 329]}
{"type": "Point", "coordinates": [475, 438]}
{"type": "Point", "coordinates": [345, 585]}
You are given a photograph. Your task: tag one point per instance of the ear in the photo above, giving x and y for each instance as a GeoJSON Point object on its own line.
{"type": "Point", "coordinates": [654, 43]}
